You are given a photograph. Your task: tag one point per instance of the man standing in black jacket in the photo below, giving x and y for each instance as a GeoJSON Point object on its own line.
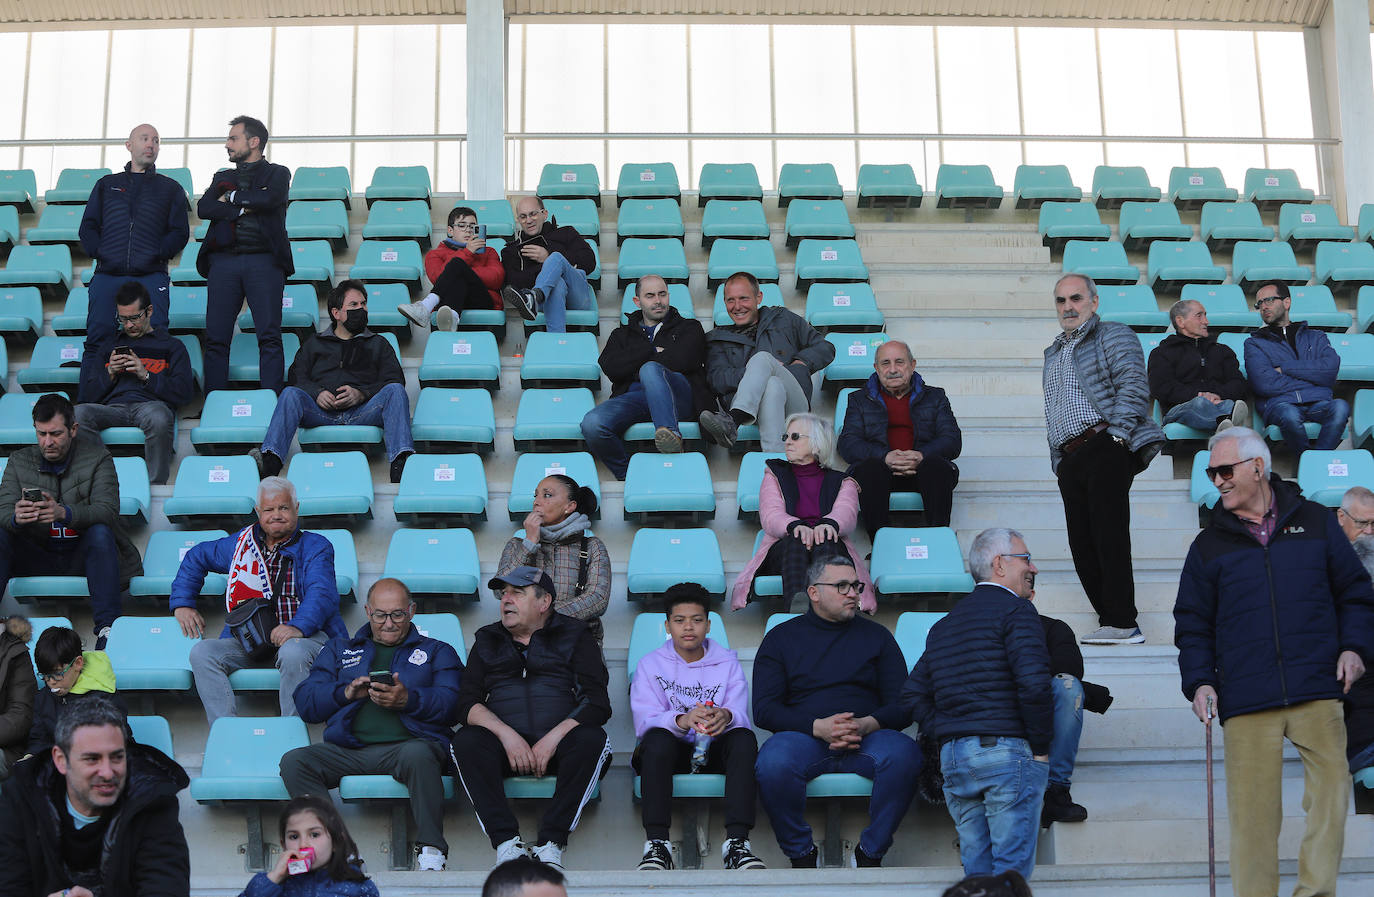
{"type": "Point", "coordinates": [656, 365]}
{"type": "Point", "coordinates": [546, 267]}
{"type": "Point", "coordinates": [982, 689]}
{"type": "Point", "coordinates": [344, 375]}
{"type": "Point", "coordinates": [134, 223]}
{"type": "Point", "coordinates": [1196, 378]}
{"type": "Point", "coordinates": [245, 255]}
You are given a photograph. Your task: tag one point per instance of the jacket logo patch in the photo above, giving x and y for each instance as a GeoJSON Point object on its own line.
{"type": "Point", "coordinates": [418, 657]}
{"type": "Point", "coordinates": [351, 657]}
{"type": "Point", "coordinates": [1293, 530]}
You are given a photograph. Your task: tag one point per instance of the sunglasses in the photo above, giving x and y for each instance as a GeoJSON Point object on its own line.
{"type": "Point", "coordinates": [794, 437]}
{"type": "Point", "coordinates": [1225, 471]}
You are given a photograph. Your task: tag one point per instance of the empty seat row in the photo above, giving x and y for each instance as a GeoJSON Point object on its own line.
{"type": "Point", "coordinates": [1339, 265]}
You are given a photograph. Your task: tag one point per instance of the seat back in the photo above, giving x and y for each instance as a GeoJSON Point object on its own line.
{"type": "Point", "coordinates": [912, 628]}
{"type": "Point", "coordinates": [650, 631]}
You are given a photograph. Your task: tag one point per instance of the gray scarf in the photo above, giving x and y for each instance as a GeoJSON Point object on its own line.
{"type": "Point", "coordinates": [571, 526]}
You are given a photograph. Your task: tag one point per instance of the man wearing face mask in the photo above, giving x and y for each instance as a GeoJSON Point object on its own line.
{"type": "Point", "coordinates": [345, 375]}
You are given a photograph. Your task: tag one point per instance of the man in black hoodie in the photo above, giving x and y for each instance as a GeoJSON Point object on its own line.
{"type": "Point", "coordinates": [656, 365]}
{"type": "Point", "coordinates": [344, 375]}
{"type": "Point", "coordinates": [1196, 378]}
{"type": "Point", "coordinates": [546, 267]}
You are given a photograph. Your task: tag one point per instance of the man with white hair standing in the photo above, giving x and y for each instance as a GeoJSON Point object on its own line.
{"type": "Point", "coordinates": [272, 562]}
{"type": "Point", "coordinates": [1274, 623]}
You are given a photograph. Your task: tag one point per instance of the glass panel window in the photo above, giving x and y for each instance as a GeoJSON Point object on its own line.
{"type": "Point", "coordinates": [566, 73]}
{"type": "Point", "coordinates": [978, 81]}
{"type": "Point", "coordinates": [393, 96]}
{"type": "Point", "coordinates": [1220, 91]}
{"type": "Point", "coordinates": [312, 87]}
{"type": "Point", "coordinates": [1283, 84]}
{"type": "Point", "coordinates": [453, 79]}
{"type": "Point", "coordinates": [1139, 82]}
{"type": "Point", "coordinates": [66, 74]}
{"type": "Point", "coordinates": [13, 52]}
{"type": "Point", "coordinates": [1059, 81]}
{"type": "Point", "coordinates": [730, 79]}
{"type": "Point", "coordinates": [813, 78]}
{"type": "Point", "coordinates": [647, 67]}
{"type": "Point", "coordinates": [223, 85]}
{"type": "Point", "coordinates": [896, 72]}
{"type": "Point", "coordinates": [139, 93]}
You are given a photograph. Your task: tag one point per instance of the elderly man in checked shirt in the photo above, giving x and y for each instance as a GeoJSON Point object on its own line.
{"type": "Point", "coordinates": [1097, 420]}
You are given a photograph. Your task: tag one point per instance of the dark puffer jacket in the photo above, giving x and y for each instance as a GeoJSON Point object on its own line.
{"type": "Point", "coordinates": [864, 435]}
{"type": "Point", "coordinates": [1183, 366]}
{"type": "Point", "coordinates": [134, 223]}
{"type": "Point", "coordinates": [679, 345]}
{"type": "Point", "coordinates": [1307, 375]}
{"type": "Point", "coordinates": [521, 272]}
{"type": "Point", "coordinates": [985, 671]}
{"type": "Point", "coordinates": [1265, 625]}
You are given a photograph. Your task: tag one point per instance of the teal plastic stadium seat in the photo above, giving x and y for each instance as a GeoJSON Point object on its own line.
{"type": "Point", "coordinates": [152, 731]}
{"type": "Point", "coordinates": [803, 181]}
{"type": "Point", "coordinates": [678, 297]}
{"type": "Point", "coordinates": [735, 181]}
{"type": "Point", "coordinates": [1304, 225]}
{"type": "Point", "coordinates": [321, 183]}
{"type": "Point", "coordinates": [648, 633]}
{"type": "Point", "coordinates": [354, 789]}
{"type": "Point", "coordinates": [594, 278]}
{"type": "Point", "coordinates": [1149, 342]}
{"type": "Point", "coordinates": [162, 558]}
{"type": "Point", "coordinates": [440, 489]}
{"type": "Point", "coordinates": [389, 261]}
{"type": "Point", "coordinates": [820, 219]}
{"type": "Point", "coordinates": [74, 185]}
{"type": "Point", "coordinates": [639, 257]}
{"type": "Point", "coordinates": [729, 256]}
{"type": "Point", "coordinates": [1172, 265]}
{"type": "Point", "coordinates": [58, 224]}
{"type": "Point", "coordinates": [28, 589]}
{"type": "Point", "coordinates": [647, 180]}
{"type": "Point", "coordinates": [242, 758]}
{"type": "Point", "coordinates": [1189, 188]}
{"type": "Point", "coordinates": [1364, 777]}
{"type": "Point", "coordinates": [243, 358]}
{"type": "Point", "coordinates": [444, 627]}
{"type": "Point", "coordinates": [888, 185]}
{"type": "Point", "coordinates": [570, 181]}
{"type": "Point", "coordinates": [1223, 223]}
{"type": "Point", "coordinates": [1362, 419]}
{"type": "Point", "coordinates": [72, 320]}
{"type": "Point", "coordinates": [1365, 226]}
{"type": "Point", "coordinates": [560, 360]}
{"type": "Point", "coordinates": [314, 262]}
{"type": "Point", "coordinates": [772, 295]}
{"type": "Point", "coordinates": [1105, 263]}
{"type": "Point", "coordinates": [496, 214]}
{"type": "Point", "coordinates": [1317, 307]}
{"type": "Point", "coordinates": [150, 654]}
{"type": "Point", "coordinates": [918, 561]}
{"type": "Point", "coordinates": [1236, 343]}
{"type": "Point", "coordinates": [536, 788]}
{"type": "Point", "coordinates": [1035, 184]}
{"type": "Point", "coordinates": [774, 619]}
{"type": "Point", "coordinates": [740, 219]}
{"type": "Point", "coordinates": [661, 558]}
{"type": "Point", "coordinates": [1364, 310]}
{"type": "Point", "coordinates": [1272, 433]}
{"type": "Point", "coordinates": [766, 586]}
{"type": "Point", "coordinates": [531, 467]}
{"type": "Point", "coordinates": [913, 627]}
{"type": "Point", "coordinates": [640, 437]}
{"type": "Point", "coordinates": [21, 312]}
{"type": "Point", "coordinates": [1269, 188]}
{"type": "Point", "coordinates": [345, 561]}
{"type": "Point", "coordinates": [1357, 356]}
{"type": "Point", "coordinates": [839, 784]}
{"type": "Point", "coordinates": [579, 214]}
{"type": "Point", "coordinates": [1324, 476]}
{"type": "Point", "coordinates": [213, 489]}
{"type": "Point", "coordinates": [332, 484]}
{"type": "Point", "coordinates": [843, 306]}
{"type": "Point", "coordinates": [1254, 263]}
{"type": "Point", "coordinates": [966, 187]}
{"type": "Point", "coordinates": [325, 219]}
{"type": "Point", "coordinates": [382, 317]}
{"type": "Point", "coordinates": [651, 218]}
{"type": "Point", "coordinates": [1345, 266]}
{"type": "Point", "coordinates": [398, 182]}
{"type": "Point", "coordinates": [1113, 185]}
{"type": "Point", "coordinates": [135, 495]}
{"type": "Point", "coordinates": [829, 261]}
{"type": "Point", "coordinates": [18, 188]}
{"type": "Point", "coordinates": [1134, 306]}
{"type": "Point", "coordinates": [55, 365]}
{"type": "Point", "coordinates": [1176, 432]}
{"type": "Point", "coordinates": [1064, 221]}
{"type": "Point", "coordinates": [16, 421]}
{"type": "Point", "coordinates": [185, 272]}
{"type": "Point", "coordinates": [435, 562]}
{"type": "Point", "coordinates": [461, 360]}
{"type": "Point", "coordinates": [551, 419]}
{"type": "Point", "coordinates": [9, 227]}
{"type": "Point", "coordinates": [49, 268]}
{"type": "Point", "coordinates": [1226, 304]}
{"type": "Point", "coordinates": [233, 421]}
{"type": "Point", "coordinates": [853, 359]}
{"type": "Point", "coordinates": [1142, 223]}
{"type": "Point", "coordinates": [669, 488]}
{"type": "Point", "coordinates": [453, 420]}
{"type": "Point", "coordinates": [750, 480]}
{"type": "Point", "coordinates": [300, 311]}
{"type": "Point", "coordinates": [841, 408]}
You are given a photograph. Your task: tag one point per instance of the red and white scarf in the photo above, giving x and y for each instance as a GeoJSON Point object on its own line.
{"type": "Point", "coordinates": [248, 576]}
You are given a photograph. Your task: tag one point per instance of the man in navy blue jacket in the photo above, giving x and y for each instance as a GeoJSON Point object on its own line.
{"type": "Point", "coordinates": [900, 435]}
{"type": "Point", "coordinates": [982, 689]}
{"type": "Point", "coordinates": [1274, 623]}
{"type": "Point", "coordinates": [826, 684]}
{"type": "Point", "coordinates": [134, 223]}
{"type": "Point", "coordinates": [389, 696]}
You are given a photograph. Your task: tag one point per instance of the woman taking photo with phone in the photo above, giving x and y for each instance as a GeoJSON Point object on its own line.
{"type": "Point", "coordinates": [318, 856]}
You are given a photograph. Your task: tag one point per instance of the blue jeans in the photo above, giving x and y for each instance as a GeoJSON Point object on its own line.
{"type": "Point", "coordinates": [659, 395]}
{"type": "Point", "coordinates": [788, 760]}
{"type": "Point", "coordinates": [388, 409]}
{"type": "Point", "coordinates": [257, 278]}
{"type": "Point", "coordinates": [1068, 727]}
{"type": "Point", "coordinates": [1199, 413]}
{"type": "Point", "coordinates": [1363, 759]}
{"type": "Point", "coordinates": [100, 305]}
{"type": "Point", "coordinates": [1331, 414]}
{"type": "Point", "coordinates": [564, 287]}
{"type": "Point", "coordinates": [995, 795]}
{"type": "Point", "coordinates": [93, 554]}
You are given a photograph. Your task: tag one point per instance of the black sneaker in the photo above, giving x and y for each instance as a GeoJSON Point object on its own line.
{"type": "Point", "coordinates": [739, 854]}
{"type": "Point", "coordinates": [269, 465]}
{"type": "Point", "coordinates": [399, 465]}
{"type": "Point", "coordinates": [810, 860]}
{"type": "Point", "coordinates": [861, 860]}
{"type": "Point", "coordinates": [658, 856]}
{"type": "Point", "coordinates": [1059, 807]}
{"type": "Point", "coordinates": [526, 302]}
{"type": "Point", "coordinates": [719, 427]}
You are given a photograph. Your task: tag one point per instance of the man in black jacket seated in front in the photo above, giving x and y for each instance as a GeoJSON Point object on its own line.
{"type": "Point", "coordinates": [982, 689]}
{"type": "Point", "coordinates": [345, 374]}
{"type": "Point", "coordinates": [900, 435]}
{"type": "Point", "coordinates": [1196, 379]}
{"type": "Point", "coordinates": [656, 365]}
{"type": "Point", "coordinates": [97, 815]}
{"type": "Point", "coordinates": [533, 702]}
{"type": "Point", "coordinates": [546, 267]}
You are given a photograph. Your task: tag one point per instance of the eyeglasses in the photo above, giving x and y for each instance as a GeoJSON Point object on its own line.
{"type": "Point", "coordinates": [844, 586]}
{"type": "Point", "coordinates": [464, 225]}
{"type": "Point", "coordinates": [1225, 471]}
{"type": "Point", "coordinates": [1025, 556]}
{"type": "Point", "coordinates": [49, 677]}
{"type": "Point", "coordinates": [526, 216]}
{"type": "Point", "coordinates": [381, 616]}
{"type": "Point", "coordinates": [129, 319]}
{"type": "Point", "coordinates": [1359, 524]}
{"type": "Point", "coordinates": [1260, 303]}
{"type": "Point", "coordinates": [794, 437]}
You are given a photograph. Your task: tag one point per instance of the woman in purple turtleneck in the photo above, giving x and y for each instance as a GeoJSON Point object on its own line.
{"type": "Point", "coordinates": [807, 510]}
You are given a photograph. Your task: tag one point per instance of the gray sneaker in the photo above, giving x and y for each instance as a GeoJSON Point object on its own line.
{"type": "Point", "coordinates": [1114, 635]}
{"type": "Point", "coordinates": [667, 440]}
{"type": "Point", "coordinates": [1240, 414]}
{"type": "Point", "coordinates": [719, 427]}
{"type": "Point", "coordinates": [446, 319]}
{"type": "Point", "coordinates": [415, 313]}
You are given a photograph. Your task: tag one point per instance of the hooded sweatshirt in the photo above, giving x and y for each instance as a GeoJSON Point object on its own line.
{"type": "Point", "coordinates": [97, 675]}
{"type": "Point", "coordinates": [665, 685]}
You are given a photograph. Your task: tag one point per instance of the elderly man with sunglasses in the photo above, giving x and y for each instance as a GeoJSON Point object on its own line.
{"type": "Point", "coordinates": [1274, 622]}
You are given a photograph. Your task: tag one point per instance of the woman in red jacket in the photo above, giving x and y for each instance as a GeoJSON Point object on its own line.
{"type": "Point", "coordinates": [465, 273]}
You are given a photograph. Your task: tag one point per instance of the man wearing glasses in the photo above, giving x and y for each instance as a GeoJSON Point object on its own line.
{"type": "Point", "coordinates": [389, 697]}
{"type": "Point", "coordinates": [1292, 371]}
{"type": "Point", "coordinates": [1274, 622]}
{"type": "Point", "coordinates": [136, 377]}
{"type": "Point", "coordinates": [546, 267]}
{"type": "Point", "coordinates": [465, 274]}
{"type": "Point", "coordinates": [827, 684]}
{"type": "Point", "coordinates": [272, 561]}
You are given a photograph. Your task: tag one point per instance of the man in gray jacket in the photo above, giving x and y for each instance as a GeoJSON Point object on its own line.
{"type": "Point", "coordinates": [760, 365]}
{"type": "Point", "coordinates": [1097, 420]}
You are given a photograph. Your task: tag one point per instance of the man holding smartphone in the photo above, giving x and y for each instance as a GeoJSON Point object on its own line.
{"type": "Point", "coordinates": [466, 274]}
{"type": "Point", "coordinates": [546, 267]}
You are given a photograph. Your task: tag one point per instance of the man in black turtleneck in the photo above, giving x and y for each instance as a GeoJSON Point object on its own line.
{"type": "Point", "coordinates": [1195, 378]}
{"type": "Point", "coordinates": [245, 254]}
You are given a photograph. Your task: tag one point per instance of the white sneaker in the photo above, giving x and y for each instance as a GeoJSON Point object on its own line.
{"type": "Point", "coordinates": [446, 319]}
{"type": "Point", "coordinates": [415, 313]}
{"type": "Point", "coordinates": [1240, 414]}
{"type": "Point", "coordinates": [509, 850]}
{"type": "Point", "coordinates": [430, 860]}
{"type": "Point", "coordinates": [550, 854]}
{"type": "Point", "coordinates": [1113, 635]}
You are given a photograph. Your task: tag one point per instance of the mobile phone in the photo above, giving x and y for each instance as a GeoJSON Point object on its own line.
{"type": "Point", "coordinates": [481, 232]}
{"type": "Point", "coordinates": [305, 858]}
{"type": "Point", "coordinates": [33, 495]}
{"type": "Point", "coordinates": [382, 677]}
{"type": "Point", "coordinates": [123, 350]}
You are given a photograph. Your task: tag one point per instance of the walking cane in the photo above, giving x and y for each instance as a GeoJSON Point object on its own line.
{"type": "Point", "coordinates": [1211, 820]}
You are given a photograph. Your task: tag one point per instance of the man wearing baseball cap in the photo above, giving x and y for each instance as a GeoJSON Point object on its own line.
{"type": "Point", "coordinates": [532, 702]}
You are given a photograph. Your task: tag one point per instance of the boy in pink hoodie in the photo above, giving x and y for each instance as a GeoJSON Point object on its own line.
{"type": "Point", "coordinates": [687, 685]}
